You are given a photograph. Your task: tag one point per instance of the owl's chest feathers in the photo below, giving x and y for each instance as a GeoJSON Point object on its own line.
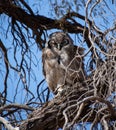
{"type": "Point", "coordinates": [53, 72]}
{"type": "Point", "coordinates": [50, 58]}
{"type": "Point", "coordinates": [63, 59]}
{"type": "Point", "coordinates": [66, 56]}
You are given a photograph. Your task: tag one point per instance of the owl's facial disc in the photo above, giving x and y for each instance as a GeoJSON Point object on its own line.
{"type": "Point", "coordinates": [57, 44]}
{"type": "Point", "coordinates": [64, 43]}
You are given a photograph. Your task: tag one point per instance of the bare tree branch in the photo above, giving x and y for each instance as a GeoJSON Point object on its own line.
{"type": "Point", "coordinates": [92, 101]}
{"type": "Point", "coordinates": [7, 124]}
{"type": "Point", "coordinates": [43, 23]}
{"type": "Point", "coordinates": [4, 50]}
{"type": "Point", "coordinates": [19, 106]}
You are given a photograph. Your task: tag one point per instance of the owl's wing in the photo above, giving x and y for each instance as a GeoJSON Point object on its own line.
{"type": "Point", "coordinates": [78, 50]}
{"type": "Point", "coordinates": [43, 61]}
{"type": "Point", "coordinates": [76, 64]}
{"type": "Point", "coordinates": [78, 58]}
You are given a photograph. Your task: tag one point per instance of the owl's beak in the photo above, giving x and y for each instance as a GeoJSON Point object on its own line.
{"type": "Point", "coordinates": [59, 47]}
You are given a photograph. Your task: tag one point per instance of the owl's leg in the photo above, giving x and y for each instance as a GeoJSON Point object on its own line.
{"type": "Point", "coordinates": [59, 90]}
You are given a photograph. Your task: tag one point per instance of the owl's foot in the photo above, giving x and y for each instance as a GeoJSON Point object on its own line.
{"type": "Point", "coordinates": [60, 92]}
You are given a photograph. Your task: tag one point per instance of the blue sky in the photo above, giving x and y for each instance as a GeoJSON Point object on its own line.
{"type": "Point", "coordinates": [43, 7]}
{"type": "Point", "coordinates": [36, 75]}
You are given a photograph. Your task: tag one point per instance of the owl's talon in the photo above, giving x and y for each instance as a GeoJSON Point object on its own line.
{"type": "Point", "coordinates": [59, 91]}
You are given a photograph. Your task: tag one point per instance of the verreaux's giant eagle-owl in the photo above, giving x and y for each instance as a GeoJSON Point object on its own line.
{"type": "Point", "coordinates": [62, 62]}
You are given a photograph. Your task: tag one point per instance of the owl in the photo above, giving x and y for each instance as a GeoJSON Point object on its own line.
{"type": "Point", "coordinates": [62, 62]}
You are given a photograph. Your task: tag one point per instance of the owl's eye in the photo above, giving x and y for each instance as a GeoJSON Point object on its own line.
{"type": "Point", "coordinates": [64, 42]}
{"type": "Point", "coordinates": [54, 45]}
{"type": "Point", "coordinates": [51, 43]}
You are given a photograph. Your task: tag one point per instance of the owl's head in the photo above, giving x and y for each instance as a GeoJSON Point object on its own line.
{"type": "Point", "coordinates": [58, 40]}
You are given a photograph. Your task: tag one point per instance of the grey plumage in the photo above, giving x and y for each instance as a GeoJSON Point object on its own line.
{"type": "Point", "coordinates": [62, 62]}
